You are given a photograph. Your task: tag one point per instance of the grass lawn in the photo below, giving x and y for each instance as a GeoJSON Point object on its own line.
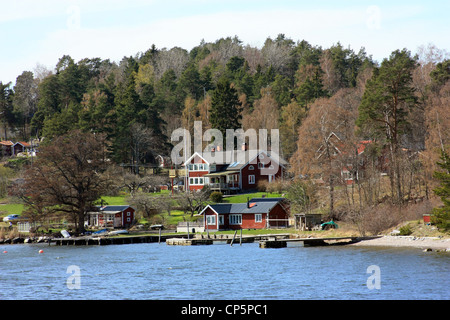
{"type": "Point", "coordinates": [242, 198]}
{"type": "Point", "coordinates": [114, 201]}
{"type": "Point", "coordinates": [10, 208]}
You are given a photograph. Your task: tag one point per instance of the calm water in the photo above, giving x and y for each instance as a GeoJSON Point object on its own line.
{"type": "Point", "coordinates": [157, 271]}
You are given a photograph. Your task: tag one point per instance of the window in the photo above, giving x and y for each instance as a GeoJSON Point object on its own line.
{"type": "Point", "coordinates": [197, 181]}
{"type": "Point", "coordinates": [260, 165]}
{"type": "Point", "coordinates": [198, 167]}
{"type": "Point", "coordinates": [251, 179]}
{"type": "Point", "coordinates": [235, 218]}
{"type": "Point", "coordinates": [221, 220]}
{"type": "Point", "coordinates": [251, 168]}
{"type": "Point", "coordinates": [258, 217]}
{"type": "Point", "coordinates": [211, 220]}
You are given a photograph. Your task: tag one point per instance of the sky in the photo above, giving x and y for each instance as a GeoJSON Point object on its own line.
{"type": "Point", "coordinates": [39, 32]}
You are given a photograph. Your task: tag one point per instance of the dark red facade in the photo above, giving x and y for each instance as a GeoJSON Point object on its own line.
{"type": "Point", "coordinates": [276, 217]}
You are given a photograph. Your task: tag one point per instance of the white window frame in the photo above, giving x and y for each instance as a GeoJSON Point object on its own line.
{"type": "Point", "coordinates": [258, 217]}
{"type": "Point", "coordinates": [197, 181]}
{"type": "Point", "coordinates": [210, 220]}
{"type": "Point", "coordinates": [198, 167]}
{"type": "Point", "coordinates": [235, 219]}
{"type": "Point", "coordinates": [251, 179]}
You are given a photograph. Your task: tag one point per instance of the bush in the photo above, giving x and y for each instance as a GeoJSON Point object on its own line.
{"type": "Point", "coordinates": [405, 230]}
{"type": "Point", "coordinates": [216, 196]}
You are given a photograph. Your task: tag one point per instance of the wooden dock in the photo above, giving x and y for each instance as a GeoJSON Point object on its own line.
{"type": "Point", "coordinates": [265, 240]}
{"type": "Point", "coordinates": [312, 242]}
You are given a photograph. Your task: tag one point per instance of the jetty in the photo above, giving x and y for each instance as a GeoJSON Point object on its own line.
{"type": "Point", "coordinates": [265, 240]}
{"type": "Point", "coordinates": [313, 242]}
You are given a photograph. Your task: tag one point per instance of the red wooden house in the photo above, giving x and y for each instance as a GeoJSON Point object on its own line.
{"type": "Point", "coordinates": [233, 171]}
{"type": "Point", "coordinates": [112, 217]}
{"type": "Point", "coordinates": [255, 214]}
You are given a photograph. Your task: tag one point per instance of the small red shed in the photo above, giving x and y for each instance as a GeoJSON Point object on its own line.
{"type": "Point", "coordinates": [112, 216]}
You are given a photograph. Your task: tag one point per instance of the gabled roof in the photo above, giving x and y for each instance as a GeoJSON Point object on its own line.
{"type": "Point", "coordinates": [25, 144]}
{"type": "Point", "coordinates": [7, 143]}
{"type": "Point", "coordinates": [239, 158]}
{"type": "Point", "coordinates": [242, 208]}
{"type": "Point", "coordinates": [196, 154]}
{"type": "Point", "coordinates": [112, 208]}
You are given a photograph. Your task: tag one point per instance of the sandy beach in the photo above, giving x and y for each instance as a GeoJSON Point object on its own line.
{"type": "Point", "coordinates": [433, 243]}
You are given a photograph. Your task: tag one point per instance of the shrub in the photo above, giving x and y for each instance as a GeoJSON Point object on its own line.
{"type": "Point", "coordinates": [405, 230]}
{"type": "Point", "coordinates": [216, 196]}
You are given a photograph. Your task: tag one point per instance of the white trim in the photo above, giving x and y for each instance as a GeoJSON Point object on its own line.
{"type": "Point", "coordinates": [191, 157]}
{"type": "Point", "coordinates": [212, 220]}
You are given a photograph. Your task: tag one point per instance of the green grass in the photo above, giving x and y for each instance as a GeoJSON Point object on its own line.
{"type": "Point", "coordinates": [242, 198]}
{"type": "Point", "coordinates": [114, 201]}
{"type": "Point", "coordinates": [10, 208]}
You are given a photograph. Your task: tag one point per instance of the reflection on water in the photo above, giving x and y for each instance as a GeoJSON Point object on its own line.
{"type": "Point", "coordinates": [219, 271]}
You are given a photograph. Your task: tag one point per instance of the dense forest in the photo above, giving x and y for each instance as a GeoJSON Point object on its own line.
{"type": "Point", "coordinates": [326, 102]}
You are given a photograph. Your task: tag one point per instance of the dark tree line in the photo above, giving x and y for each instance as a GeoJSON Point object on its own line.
{"type": "Point", "coordinates": [150, 91]}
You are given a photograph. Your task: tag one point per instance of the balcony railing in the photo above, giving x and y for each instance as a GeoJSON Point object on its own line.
{"type": "Point", "coordinates": [224, 186]}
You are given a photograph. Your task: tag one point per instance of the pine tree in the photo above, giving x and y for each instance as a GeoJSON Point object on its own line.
{"type": "Point", "coordinates": [387, 99]}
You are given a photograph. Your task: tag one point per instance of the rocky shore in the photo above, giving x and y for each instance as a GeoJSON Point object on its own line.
{"type": "Point", "coordinates": [424, 243]}
{"type": "Point", "coordinates": [17, 240]}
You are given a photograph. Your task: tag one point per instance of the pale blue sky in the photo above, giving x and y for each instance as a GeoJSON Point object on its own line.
{"type": "Point", "coordinates": [41, 31]}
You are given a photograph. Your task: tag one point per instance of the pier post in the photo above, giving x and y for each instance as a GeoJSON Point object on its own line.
{"type": "Point", "coordinates": [232, 240]}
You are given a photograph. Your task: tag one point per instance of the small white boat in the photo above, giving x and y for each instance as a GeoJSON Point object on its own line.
{"type": "Point", "coordinates": [115, 232]}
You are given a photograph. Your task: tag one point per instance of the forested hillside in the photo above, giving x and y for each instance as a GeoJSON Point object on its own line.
{"type": "Point", "coordinates": [326, 102]}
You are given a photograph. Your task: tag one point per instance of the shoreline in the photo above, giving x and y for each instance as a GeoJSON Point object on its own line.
{"type": "Point", "coordinates": [425, 243]}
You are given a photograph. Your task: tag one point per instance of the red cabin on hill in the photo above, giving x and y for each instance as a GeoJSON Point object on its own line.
{"type": "Point", "coordinates": [232, 171]}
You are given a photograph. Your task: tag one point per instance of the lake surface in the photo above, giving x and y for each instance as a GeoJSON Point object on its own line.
{"type": "Point", "coordinates": [220, 272]}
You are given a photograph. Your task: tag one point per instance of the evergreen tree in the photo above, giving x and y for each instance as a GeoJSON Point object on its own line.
{"type": "Point", "coordinates": [6, 107]}
{"type": "Point", "coordinates": [441, 216]}
{"type": "Point", "coordinates": [387, 99]}
{"type": "Point", "coordinates": [225, 112]}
